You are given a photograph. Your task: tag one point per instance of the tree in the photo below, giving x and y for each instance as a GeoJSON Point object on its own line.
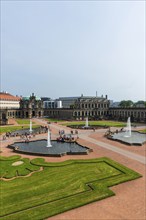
{"type": "Point", "coordinates": [140, 103]}
{"type": "Point", "coordinates": [126, 103]}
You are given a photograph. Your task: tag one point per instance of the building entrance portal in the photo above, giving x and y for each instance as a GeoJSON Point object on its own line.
{"type": "Point", "coordinates": [39, 114]}
{"type": "Point", "coordinates": [33, 114]}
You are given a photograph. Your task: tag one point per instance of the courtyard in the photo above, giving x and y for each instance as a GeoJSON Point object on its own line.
{"type": "Point", "coordinates": [129, 202]}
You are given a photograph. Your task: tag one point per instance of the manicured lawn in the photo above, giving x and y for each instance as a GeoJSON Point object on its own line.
{"type": "Point", "coordinates": [97, 123]}
{"type": "Point", "coordinates": [143, 131]}
{"type": "Point", "coordinates": [59, 187]}
{"type": "Point", "coordinates": [14, 128]}
{"type": "Point", "coordinates": [8, 171]}
{"type": "Point", "coordinates": [23, 121]}
{"type": "Point", "coordinates": [53, 120]}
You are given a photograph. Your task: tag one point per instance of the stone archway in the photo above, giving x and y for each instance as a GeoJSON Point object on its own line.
{"type": "Point", "coordinates": [33, 114]}
{"type": "Point", "coordinates": [3, 116]}
{"type": "Point", "coordinates": [26, 114]}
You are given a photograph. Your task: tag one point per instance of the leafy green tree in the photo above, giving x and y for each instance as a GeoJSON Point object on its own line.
{"type": "Point", "coordinates": [140, 103]}
{"type": "Point", "coordinates": [126, 103]}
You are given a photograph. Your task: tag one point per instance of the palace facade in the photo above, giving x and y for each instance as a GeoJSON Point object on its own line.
{"type": "Point", "coordinates": [31, 106]}
{"type": "Point", "coordinates": [96, 108]}
{"type": "Point", "coordinates": [8, 105]}
{"type": "Point", "coordinates": [136, 114]}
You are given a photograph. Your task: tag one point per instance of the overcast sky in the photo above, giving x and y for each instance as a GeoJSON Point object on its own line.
{"type": "Point", "coordinates": [69, 48]}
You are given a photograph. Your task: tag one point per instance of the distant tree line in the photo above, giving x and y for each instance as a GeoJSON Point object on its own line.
{"type": "Point", "coordinates": [130, 103]}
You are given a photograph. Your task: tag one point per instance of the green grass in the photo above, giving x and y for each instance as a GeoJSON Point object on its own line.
{"type": "Point", "coordinates": [23, 121]}
{"type": "Point", "coordinates": [53, 120]}
{"type": "Point", "coordinates": [143, 131]}
{"type": "Point", "coordinates": [14, 157]}
{"type": "Point", "coordinates": [8, 171]}
{"type": "Point", "coordinates": [14, 128]}
{"type": "Point", "coordinates": [59, 187]}
{"type": "Point", "coordinates": [97, 123]}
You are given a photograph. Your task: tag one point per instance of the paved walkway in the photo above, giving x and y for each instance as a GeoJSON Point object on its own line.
{"type": "Point", "coordinates": [125, 153]}
{"type": "Point", "coordinates": [84, 135]}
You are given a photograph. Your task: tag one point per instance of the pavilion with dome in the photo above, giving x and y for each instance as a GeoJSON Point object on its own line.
{"type": "Point", "coordinates": [31, 106]}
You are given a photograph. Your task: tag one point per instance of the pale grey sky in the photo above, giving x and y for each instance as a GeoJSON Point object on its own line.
{"type": "Point", "coordinates": [69, 48]}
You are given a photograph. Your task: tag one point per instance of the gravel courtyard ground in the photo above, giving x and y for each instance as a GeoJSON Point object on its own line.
{"type": "Point", "coordinates": [130, 200]}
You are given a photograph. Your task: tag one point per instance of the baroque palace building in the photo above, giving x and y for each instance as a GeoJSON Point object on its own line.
{"type": "Point", "coordinates": [75, 108]}
{"type": "Point", "coordinates": [83, 106]}
{"type": "Point", "coordinates": [27, 107]}
{"type": "Point", "coordinates": [31, 106]}
{"type": "Point", "coordinates": [9, 107]}
{"type": "Point", "coordinates": [137, 114]}
{"type": "Point", "coordinates": [93, 107]}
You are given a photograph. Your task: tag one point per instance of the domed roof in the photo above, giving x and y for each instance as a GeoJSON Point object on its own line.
{"type": "Point", "coordinates": [37, 98]}
{"type": "Point", "coordinates": [25, 98]}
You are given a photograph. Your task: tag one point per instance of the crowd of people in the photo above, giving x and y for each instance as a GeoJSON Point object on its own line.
{"type": "Point", "coordinates": [67, 137]}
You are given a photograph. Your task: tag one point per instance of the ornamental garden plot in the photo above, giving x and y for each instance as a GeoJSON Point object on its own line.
{"type": "Point", "coordinates": [35, 189]}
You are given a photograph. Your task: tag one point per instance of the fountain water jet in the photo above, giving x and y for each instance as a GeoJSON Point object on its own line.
{"type": "Point", "coordinates": [128, 128]}
{"type": "Point", "coordinates": [49, 140]}
{"type": "Point", "coordinates": [129, 137]}
{"type": "Point", "coordinates": [30, 128]}
{"type": "Point", "coordinates": [86, 125]}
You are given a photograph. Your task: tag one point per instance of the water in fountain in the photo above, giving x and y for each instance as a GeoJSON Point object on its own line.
{"type": "Point", "coordinates": [30, 129]}
{"type": "Point", "coordinates": [128, 129]}
{"type": "Point", "coordinates": [49, 140]}
{"type": "Point", "coordinates": [130, 137]}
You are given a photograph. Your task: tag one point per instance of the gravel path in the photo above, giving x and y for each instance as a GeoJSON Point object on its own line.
{"type": "Point", "coordinates": [84, 135]}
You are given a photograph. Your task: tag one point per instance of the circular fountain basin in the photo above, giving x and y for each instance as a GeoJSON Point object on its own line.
{"type": "Point", "coordinates": [39, 147]}
{"type": "Point", "coordinates": [136, 138]}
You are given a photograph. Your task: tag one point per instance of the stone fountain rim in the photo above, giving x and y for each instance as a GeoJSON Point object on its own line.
{"type": "Point", "coordinates": [128, 143]}
{"type": "Point", "coordinates": [49, 155]}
